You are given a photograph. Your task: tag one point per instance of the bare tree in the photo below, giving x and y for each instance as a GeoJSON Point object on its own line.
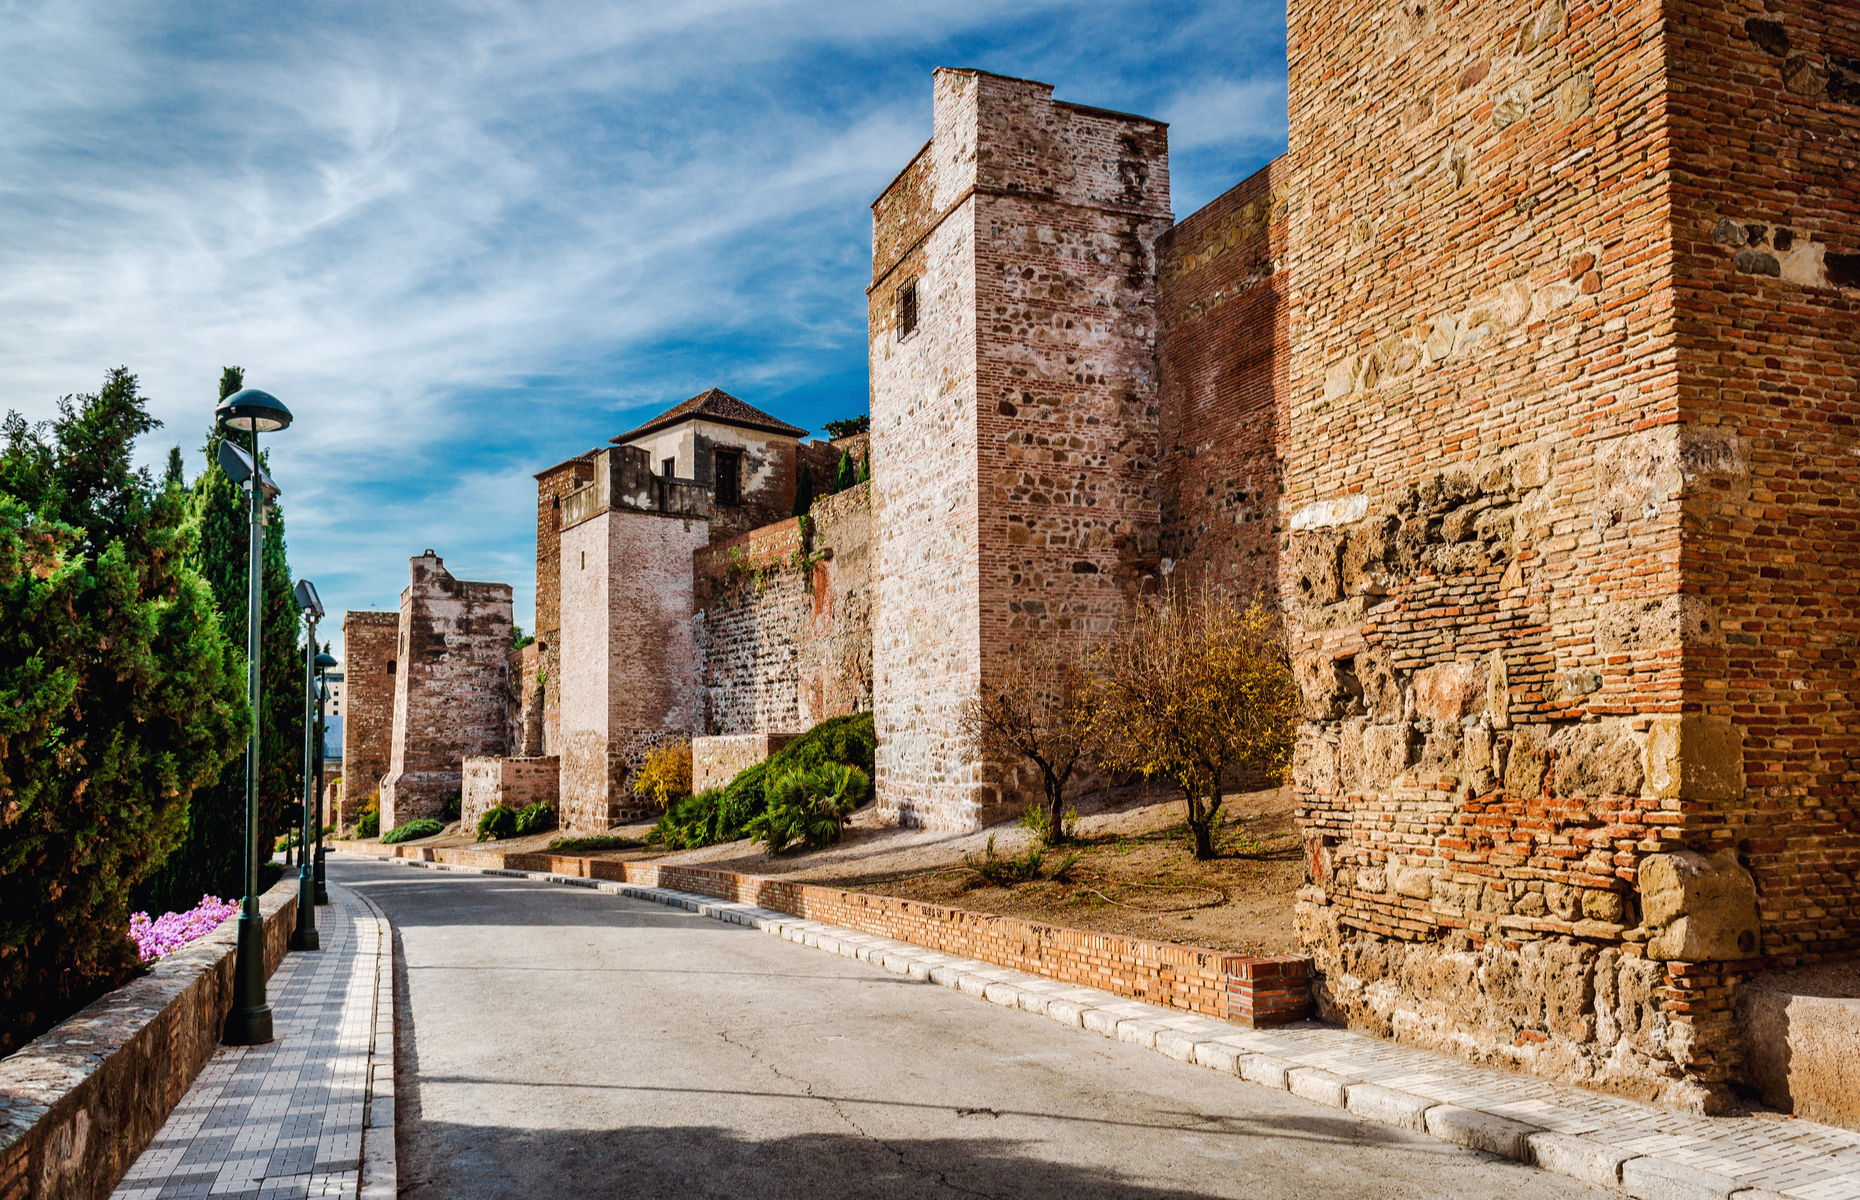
{"type": "Point", "coordinates": [1038, 710]}
{"type": "Point", "coordinates": [1194, 686]}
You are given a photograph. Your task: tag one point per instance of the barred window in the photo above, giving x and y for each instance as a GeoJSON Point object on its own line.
{"type": "Point", "coordinates": [907, 310]}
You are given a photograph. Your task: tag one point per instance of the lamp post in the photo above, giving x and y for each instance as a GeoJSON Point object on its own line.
{"type": "Point", "coordinates": [305, 936]}
{"type": "Point", "coordinates": [323, 663]}
{"type": "Point", "coordinates": [250, 411]}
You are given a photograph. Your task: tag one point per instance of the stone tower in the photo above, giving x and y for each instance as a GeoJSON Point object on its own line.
{"type": "Point", "coordinates": [452, 692]}
{"type": "Point", "coordinates": [369, 645]}
{"type": "Point", "coordinates": [1012, 330]}
{"type": "Point", "coordinates": [1570, 510]}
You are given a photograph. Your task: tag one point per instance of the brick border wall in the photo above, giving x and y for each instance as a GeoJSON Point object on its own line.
{"type": "Point", "coordinates": [82, 1100]}
{"type": "Point", "coordinates": [1255, 992]}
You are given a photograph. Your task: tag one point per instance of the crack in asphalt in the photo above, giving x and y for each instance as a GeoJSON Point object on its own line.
{"type": "Point", "coordinates": [939, 1178]}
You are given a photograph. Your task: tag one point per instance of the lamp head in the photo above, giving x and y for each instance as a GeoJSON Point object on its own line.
{"type": "Point", "coordinates": [325, 661]}
{"type": "Point", "coordinates": [249, 409]}
{"type": "Point", "coordinates": [308, 600]}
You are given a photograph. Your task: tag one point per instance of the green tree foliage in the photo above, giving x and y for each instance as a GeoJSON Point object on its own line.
{"type": "Point", "coordinates": [849, 426]}
{"type": "Point", "coordinates": [724, 814]}
{"type": "Point", "coordinates": [803, 490]}
{"type": "Point", "coordinates": [212, 858]}
{"type": "Point", "coordinates": [848, 475]}
{"type": "Point", "coordinates": [176, 475]}
{"type": "Point", "coordinates": [118, 697]}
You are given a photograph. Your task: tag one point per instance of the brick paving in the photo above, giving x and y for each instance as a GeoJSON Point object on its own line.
{"type": "Point", "coordinates": [287, 1120]}
{"type": "Point", "coordinates": [1733, 1155]}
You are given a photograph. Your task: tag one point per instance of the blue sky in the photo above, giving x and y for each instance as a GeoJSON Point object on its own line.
{"type": "Point", "coordinates": [464, 241]}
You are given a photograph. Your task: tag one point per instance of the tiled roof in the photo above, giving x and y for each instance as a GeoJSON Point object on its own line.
{"type": "Point", "coordinates": [719, 406]}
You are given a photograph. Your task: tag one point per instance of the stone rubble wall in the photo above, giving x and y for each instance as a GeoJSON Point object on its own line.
{"type": "Point", "coordinates": [370, 648]}
{"type": "Point", "coordinates": [512, 782]}
{"type": "Point", "coordinates": [715, 761]}
{"type": "Point", "coordinates": [452, 694]}
{"type": "Point", "coordinates": [784, 629]}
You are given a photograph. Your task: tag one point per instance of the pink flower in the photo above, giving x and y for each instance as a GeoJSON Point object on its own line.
{"type": "Point", "coordinates": [171, 931]}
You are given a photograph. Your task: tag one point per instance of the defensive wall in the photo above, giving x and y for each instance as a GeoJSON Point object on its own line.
{"type": "Point", "coordinates": [370, 642]}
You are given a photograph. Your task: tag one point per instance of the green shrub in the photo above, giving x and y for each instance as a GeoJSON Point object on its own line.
{"type": "Point", "coordinates": [723, 814]}
{"type": "Point", "coordinates": [369, 823]}
{"type": "Point", "coordinates": [809, 806]}
{"type": "Point", "coordinates": [497, 823]}
{"type": "Point", "coordinates": [450, 812]}
{"type": "Point", "coordinates": [1006, 870]}
{"type": "Point", "coordinates": [419, 827]}
{"type": "Point", "coordinates": [537, 818]}
{"type": "Point", "coordinates": [595, 841]}
{"type": "Point", "coordinates": [1039, 820]}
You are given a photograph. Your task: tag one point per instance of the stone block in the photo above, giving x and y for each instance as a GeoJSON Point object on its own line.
{"type": "Point", "coordinates": [1034, 1002]}
{"type": "Point", "coordinates": [1477, 1130]}
{"type": "Point", "coordinates": [1578, 1157]}
{"type": "Point", "coordinates": [1387, 1106]}
{"type": "Point", "coordinates": [1698, 908]}
{"type": "Point", "coordinates": [1178, 1044]}
{"type": "Point", "coordinates": [1267, 1070]}
{"type": "Point", "coordinates": [1004, 994]}
{"type": "Point", "coordinates": [1320, 1087]}
{"type": "Point", "coordinates": [1601, 759]}
{"type": "Point", "coordinates": [715, 761]}
{"type": "Point", "coordinates": [1695, 758]}
{"type": "Point", "coordinates": [1449, 691]}
{"type": "Point", "coordinates": [1661, 1179]}
{"type": "Point", "coordinates": [1219, 1056]}
{"type": "Point", "coordinates": [1066, 1012]}
{"type": "Point", "coordinates": [1801, 1040]}
{"type": "Point", "coordinates": [1097, 1020]}
{"type": "Point", "coordinates": [1139, 1033]}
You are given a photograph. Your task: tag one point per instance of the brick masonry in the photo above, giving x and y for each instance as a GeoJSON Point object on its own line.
{"type": "Point", "coordinates": [370, 643]}
{"type": "Point", "coordinates": [452, 693]}
{"type": "Point", "coordinates": [1014, 430]}
{"type": "Point", "coordinates": [1261, 991]}
{"type": "Point", "coordinates": [512, 782]}
{"type": "Point", "coordinates": [784, 628]}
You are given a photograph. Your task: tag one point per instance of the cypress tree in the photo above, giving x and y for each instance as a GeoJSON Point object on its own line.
{"type": "Point", "coordinates": [848, 477]}
{"type": "Point", "coordinates": [803, 489]}
{"type": "Point", "coordinates": [177, 469]}
{"type": "Point", "coordinates": [117, 698]}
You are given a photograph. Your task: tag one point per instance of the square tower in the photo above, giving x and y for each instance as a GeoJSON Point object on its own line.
{"type": "Point", "coordinates": [1012, 327]}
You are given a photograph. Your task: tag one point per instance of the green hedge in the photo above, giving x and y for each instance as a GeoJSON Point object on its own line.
{"type": "Point", "coordinates": [724, 814]}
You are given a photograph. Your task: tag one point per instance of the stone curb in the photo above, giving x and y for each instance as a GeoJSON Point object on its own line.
{"type": "Point", "coordinates": [1205, 1042]}
{"type": "Point", "coordinates": [379, 1177]}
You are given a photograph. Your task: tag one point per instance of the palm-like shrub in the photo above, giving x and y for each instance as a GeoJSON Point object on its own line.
{"type": "Point", "coordinates": [537, 818]}
{"type": "Point", "coordinates": [498, 822]}
{"type": "Point", "coordinates": [809, 807]}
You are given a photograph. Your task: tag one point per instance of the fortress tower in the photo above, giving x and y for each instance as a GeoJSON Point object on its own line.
{"type": "Point", "coordinates": [1014, 428]}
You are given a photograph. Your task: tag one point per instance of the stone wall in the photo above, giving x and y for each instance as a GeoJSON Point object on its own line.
{"type": "Point", "coordinates": [715, 761]}
{"type": "Point", "coordinates": [370, 642]}
{"type": "Point", "coordinates": [452, 693]}
{"type": "Point", "coordinates": [769, 465]}
{"type": "Point", "coordinates": [512, 782]}
{"type": "Point", "coordinates": [552, 487]}
{"type": "Point", "coordinates": [628, 660]}
{"type": "Point", "coordinates": [1014, 429]}
{"type": "Point", "coordinates": [1223, 352]}
{"type": "Point", "coordinates": [785, 631]}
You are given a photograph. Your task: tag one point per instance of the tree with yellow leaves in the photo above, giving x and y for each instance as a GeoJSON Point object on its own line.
{"type": "Point", "coordinates": [1193, 687]}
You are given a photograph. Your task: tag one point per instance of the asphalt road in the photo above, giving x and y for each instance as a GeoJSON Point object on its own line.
{"type": "Point", "coordinates": [561, 1042]}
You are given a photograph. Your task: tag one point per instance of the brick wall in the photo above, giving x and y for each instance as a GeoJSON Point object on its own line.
{"type": "Point", "coordinates": [369, 650]}
{"type": "Point", "coordinates": [785, 630]}
{"type": "Point", "coordinates": [628, 661]}
{"type": "Point", "coordinates": [1765, 110]}
{"type": "Point", "coordinates": [1223, 354]}
{"type": "Point", "coordinates": [1014, 432]}
{"type": "Point", "coordinates": [452, 692]}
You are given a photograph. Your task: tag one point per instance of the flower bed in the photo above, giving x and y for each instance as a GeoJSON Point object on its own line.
{"type": "Point", "coordinates": [170, 931]}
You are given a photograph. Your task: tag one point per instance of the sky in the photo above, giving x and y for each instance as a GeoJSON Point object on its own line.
{"type": "Point", "coordinates": [465, 241]}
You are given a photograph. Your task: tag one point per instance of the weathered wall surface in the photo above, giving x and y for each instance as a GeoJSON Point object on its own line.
{"type": "Point", "coordinates": [1014, 431]}
{"type": "Point", "coordinates": [1223, 353]}
{"type": "Point", "coordinates": [452, 693]}
{"type": "Point", "coordinates": [552, 487]}
{"type": "Point", "coordinates": [1765, 110]}
{"type": "Point", "coordinates": [785, 632]}
{"type": "Point", "coordinates": [769, 465]}
{"type": "Point", "coordinates": [512, 782]}
{"type": "Point", "coordinates": [628, 661]}
{"type": "Point", "coordinates": [370, 647]}
{"type": "Point", "coordinates": [715, 761]}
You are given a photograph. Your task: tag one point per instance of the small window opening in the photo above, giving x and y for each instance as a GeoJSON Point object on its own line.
{"type": "Point", "coordinates": [670, 466]}
{"type": "Point", "coordinates": [390, 666]}
{"type": "Point", "coordinates": [555, 502]}
{"type": "Point", "coordinates": [907, 310]}
{"type": "Point", "coordinates": [584, 560]}
{"type": "Point", "coordinates": [729, 477]}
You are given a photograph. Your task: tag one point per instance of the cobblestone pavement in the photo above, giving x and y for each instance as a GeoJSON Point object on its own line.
{"type": "Point", "coordinates": [1643, 1148]}
{"type": "Point", "coordinates": [287, 1119]}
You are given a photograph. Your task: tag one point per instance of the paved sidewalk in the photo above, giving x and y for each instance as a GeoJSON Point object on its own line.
{"type": "Point", "coordinates": [289, 1119]}
{"type": "Point", "coordinates": [1643, 1149]}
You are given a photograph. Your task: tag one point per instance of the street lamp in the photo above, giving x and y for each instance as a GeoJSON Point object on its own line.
{"type": "Point", "coordinates": [323, 663]}
{"type": "Point", "coordinates": [305, 937]}
{"type": "Point", "coordinates": [250, 411]}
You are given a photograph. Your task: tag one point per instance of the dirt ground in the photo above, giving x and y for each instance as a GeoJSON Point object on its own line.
{"type": "Point", "coordinates": [1136, 873]}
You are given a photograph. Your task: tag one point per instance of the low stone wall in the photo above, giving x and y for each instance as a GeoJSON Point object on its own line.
{"type": "Point", "coordinates": [1801, 1039]}
{"type": "Point", "coordinates": [715, 761]}
{"type": "Point", "coordinates": [512, 782]}
{"type": "Point", "coordinates": [82, 1100]}
{"type": "Point", "coordinates": [1255, 992]}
